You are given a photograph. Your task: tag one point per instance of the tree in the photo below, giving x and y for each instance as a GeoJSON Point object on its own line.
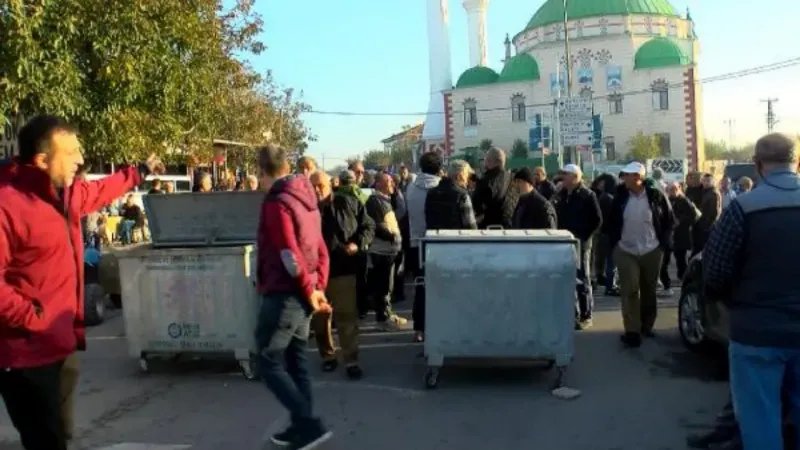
{"type": "Point", "coordinates": [715, 150]}
{"type": "Point", "coordinates": [519, 149]}
{"type": "Point", "coordinates": [485, 145]}
{"type": "Point", "coordinates": [472, 155]}
{"type": "Point", "coordinates": [642, 147]}
{"type": "Point", "coordinates": [143, 76]}
{"type": "Point", "coordinates": [377, 159]}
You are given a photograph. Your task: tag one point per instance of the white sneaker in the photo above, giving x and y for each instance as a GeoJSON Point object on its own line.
{"type": "Point", "coordinates": [394, 323]}
{"type": "Point", "coordinates": [666, 293]}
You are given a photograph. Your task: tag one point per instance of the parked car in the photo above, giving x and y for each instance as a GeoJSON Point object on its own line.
{"type": "Point", "coordinates": [701, 321]}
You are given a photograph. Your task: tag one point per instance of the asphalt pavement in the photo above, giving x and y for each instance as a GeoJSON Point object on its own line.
{"type": "Point", "coordinates": [643, 399]}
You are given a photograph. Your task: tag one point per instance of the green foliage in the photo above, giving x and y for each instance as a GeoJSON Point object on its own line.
{"type": "Point", "coordinates": [519, 149]}
{"type": "Point", "coordinates": [144, 76]}
{"type": "Point", "coordinates": [377, 159]}
{"type": "Point", "coordinates": [472, 155]}
{"type": "Point", "coordinates": [715, 150]}
{"type": "Point", "coordinates": [485, 145]}
{"type": "Point", "coordinates": [642, 147]}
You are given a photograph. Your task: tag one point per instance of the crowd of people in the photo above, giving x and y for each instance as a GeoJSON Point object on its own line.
{"type": "Point", "coordinates": [329, 253]}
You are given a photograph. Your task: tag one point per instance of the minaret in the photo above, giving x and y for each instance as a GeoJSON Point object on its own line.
{"type": "Point", "coordinates": [476, 20]}
{"type": "Point", "coordinates": [441, 78]}
{"type": "Point", "coordinates": [507, 44]}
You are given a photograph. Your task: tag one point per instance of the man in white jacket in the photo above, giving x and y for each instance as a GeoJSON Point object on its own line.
{"type": "Point", "coordinates": [430, 165]}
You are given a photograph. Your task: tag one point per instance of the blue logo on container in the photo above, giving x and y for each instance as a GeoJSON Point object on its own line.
{"type": "Point", "coordinates": [174, 330]}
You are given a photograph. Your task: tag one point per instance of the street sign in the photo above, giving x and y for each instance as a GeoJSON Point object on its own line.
{"type": "Point", "coordinates": [576, 139]}
{"type": "Point", "coordinates": [577, 121]}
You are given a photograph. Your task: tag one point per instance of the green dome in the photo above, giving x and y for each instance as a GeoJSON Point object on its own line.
{"type": "Point", "coordinates": [553, 10]}
{"type": "Point", "coordinates": [660, 52]}
{"type": "Point", "coordinates": [520, 68]}
{"type": "Point", "coordinates": [477, 76]}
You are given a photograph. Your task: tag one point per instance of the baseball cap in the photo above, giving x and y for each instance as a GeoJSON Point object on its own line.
{"type": "Point", "coordinates": [635, 167]}
{"type": "Point", "coordinates": [572, 168]}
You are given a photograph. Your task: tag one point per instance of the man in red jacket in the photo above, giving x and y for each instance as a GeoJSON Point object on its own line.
{"type": "Point", "coordinates": [292, 273]}
{"type": "Point", "coordinates": [41, 272]}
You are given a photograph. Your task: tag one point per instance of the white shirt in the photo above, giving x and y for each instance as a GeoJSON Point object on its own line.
{"type": "Point", "coordinates": [638, 233]}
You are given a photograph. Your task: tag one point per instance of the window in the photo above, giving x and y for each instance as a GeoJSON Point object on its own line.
{"type": "Point", "coordinates": [660, 90]}
{"type": "Point", "coordinates": [664, 144]}
{"type": "Point", "coordinates": [518, 109]}
{"type": "Point", "coordinates": [470, 113]}
{"type": "Point", "coordinates": [586, 92]}
{"type": "Point", "coordinates": [611, 148]}
{"type": "Point", "coordinates": [615, 104]}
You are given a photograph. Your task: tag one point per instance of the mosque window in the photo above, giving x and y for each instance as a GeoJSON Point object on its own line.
{"type": "Point", "coordinates": [579, 29]}
{"type": "Point", "coordinates": [518, 108]}
{"type": "Point", "coordinates": [615, 104]}
{"type": "Point", "coordinates": [470, 113]}
{"type": "Point", "coordinates": [664, 144]}
{"type": "Point", "coordinates": [611, 148]}
{"type": "Point", "coordinates": [586, 92]}
{"type": "Point", "coordinates": [603, 57]}
{"type": "Point", "coordinates": [603, 26]}
{"type": "Point", "coordinates": [558, 30]}
{"type": "Point", "coordinates": [660, 89]}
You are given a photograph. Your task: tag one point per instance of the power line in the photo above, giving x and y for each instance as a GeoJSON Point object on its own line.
{"type": "Point", "coordinates": [722, 77]}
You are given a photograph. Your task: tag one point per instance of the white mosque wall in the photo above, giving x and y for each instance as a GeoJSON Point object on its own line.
{"type": "Point", "coordinates": [494, 101]}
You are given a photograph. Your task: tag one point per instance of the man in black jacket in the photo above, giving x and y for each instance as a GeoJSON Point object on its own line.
{"type": "Point", "coordinates": [448, 206]}
{"type": "Point", "coordinates": [605, 188]}
{"type": "Point", "coordinates": [543, 185]}
{"type": "Point", "coordinates": [495, 197]}
{"type": "Point", "coordinates": [383, 252]}
{"type": "Point", "coordinates": [533, 211]}
{"type": "Point", "coordinates": [579, 213]}
{"type": "Point", "coordinates": [640, 227]}
{"type": "Point", "coordinates": [348, 232]}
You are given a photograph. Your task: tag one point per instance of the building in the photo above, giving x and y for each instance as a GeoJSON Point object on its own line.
{"type": "Point", "coordinates": [637, 60]}
{"type": "Point", "coordinates": [408, 136]}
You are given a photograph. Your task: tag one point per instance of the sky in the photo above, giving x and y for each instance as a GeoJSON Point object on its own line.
{"type": "Point", "coordinates": [371, 56]}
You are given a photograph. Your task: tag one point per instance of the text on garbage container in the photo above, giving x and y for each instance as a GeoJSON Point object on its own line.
{"type": "Point", "coordinates": [185, 345]}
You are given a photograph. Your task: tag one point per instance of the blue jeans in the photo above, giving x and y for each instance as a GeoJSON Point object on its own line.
{"type": "Point", "coordinates": [126, 235]}
{"type": "Point", "coordinates": [282, 339]}
{"type": "Point", "coordinates": [585, 301]}
{"type": "Point", "coordinates": [757, 377]}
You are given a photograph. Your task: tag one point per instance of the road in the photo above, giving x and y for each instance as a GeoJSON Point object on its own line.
{"type": "Point", "coordinates": [644, 399]}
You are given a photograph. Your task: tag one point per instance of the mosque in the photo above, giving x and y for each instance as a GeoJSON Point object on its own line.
{"type": "Point", "coordinates": [637, 60]}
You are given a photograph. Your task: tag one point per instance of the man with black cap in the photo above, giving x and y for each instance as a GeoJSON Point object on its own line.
{"type": "Point", "coordinates": [533, 210]}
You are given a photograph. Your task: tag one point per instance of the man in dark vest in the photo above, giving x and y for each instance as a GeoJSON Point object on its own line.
{"type": "Point", "coordinates": [750, 263]}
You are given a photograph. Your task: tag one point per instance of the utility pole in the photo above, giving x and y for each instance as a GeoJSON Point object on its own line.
{"type": "Point", "coordinates": [772, 120]}
{"type": "Point", "coordinates": [568, 70]}
{"type": "Point", "coordinates": [730, 123]}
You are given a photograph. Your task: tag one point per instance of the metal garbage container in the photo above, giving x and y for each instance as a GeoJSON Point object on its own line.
{"type": "Point", "coordinates": [499, 294]}
{"type": "Point", "coordinates": [192, 291]}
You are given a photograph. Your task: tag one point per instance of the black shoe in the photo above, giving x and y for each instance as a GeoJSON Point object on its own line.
{"type": "Point", "coordinates": [648, 333]}
{"type": "Point", "coordinates": [354, 372]}
{"type": "Point", "coordinates": [631, 340]}
{"type": "Point", "coordinates": [330, 365]}
{"type": "Point", "coordinates": [285, 437]}
{"type": "Point", "coordinates": [613, 292]}
{"type": "Point", "coordinates": [733, 444]}
{"type": "Point", "coordinates": [311, 439]}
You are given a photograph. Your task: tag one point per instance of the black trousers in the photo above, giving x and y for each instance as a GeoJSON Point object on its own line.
{"type": "Point", "coordinates": [399, 292]}
{"type": "Point", "coordinates": [33, 400]}
{"type": "Point", "coordinates": [380, 279]}
{"type": "Point", "coordinates": [418, 270]}
{"type": "Point", "coordinates": [362, 289]}
{"type": "Point", "coordinates": [680, 262]}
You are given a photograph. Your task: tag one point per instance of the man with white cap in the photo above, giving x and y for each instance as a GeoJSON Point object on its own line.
{"type": "Point", "coordinates": [639, 228]}
{"type": "Point", "coordinates": [578, 211]}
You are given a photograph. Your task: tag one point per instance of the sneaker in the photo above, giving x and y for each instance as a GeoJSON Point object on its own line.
{"type": "Point", "coordinates": [330, 365]}
{"type": "Point", "coordinates": [586, 323]}
{"type": "Point", "coordinates": [613, 292]}
{"type": "Point", "coordinates": [666, 293]}
{"type": "Point", "coordinates": [311, 440]}
{"type": "Point", "coordinates": [285, 437]}
{"type": "Point", "coordinates": [354, 372]}
{"type": "Point", "coordinates": [393, 323]}
{"type": "Point", "coordinates": [419, 336]}
{"type": "Point", "coordinates": [631, 340]}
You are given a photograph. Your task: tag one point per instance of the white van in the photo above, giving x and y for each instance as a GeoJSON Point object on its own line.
{"type": "Point", "coordinates": [182, 183]}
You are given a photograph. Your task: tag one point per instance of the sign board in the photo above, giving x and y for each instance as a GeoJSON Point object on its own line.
{"type": "Point", "coordinates": [577, 121]}
{"type": "Point", "coordinates": [674, 169]}
{"type": "Point", "coordinates": [8, 140]}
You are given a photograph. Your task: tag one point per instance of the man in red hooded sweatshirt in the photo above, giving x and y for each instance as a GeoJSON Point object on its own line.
{"type": "Point", "coordinates": [292, 272]}
{"type": "Point", "coordinates": [41, 272]}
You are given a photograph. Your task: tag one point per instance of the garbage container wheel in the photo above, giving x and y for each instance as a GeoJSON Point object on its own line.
{"type": "Point", "coordinates": [144, 367]}
{"type": "Point", "coordinates": [432, 378]}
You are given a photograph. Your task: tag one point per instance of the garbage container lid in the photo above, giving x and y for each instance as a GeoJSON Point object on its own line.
{"type": "Point", "coordinates": [203, 219]}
